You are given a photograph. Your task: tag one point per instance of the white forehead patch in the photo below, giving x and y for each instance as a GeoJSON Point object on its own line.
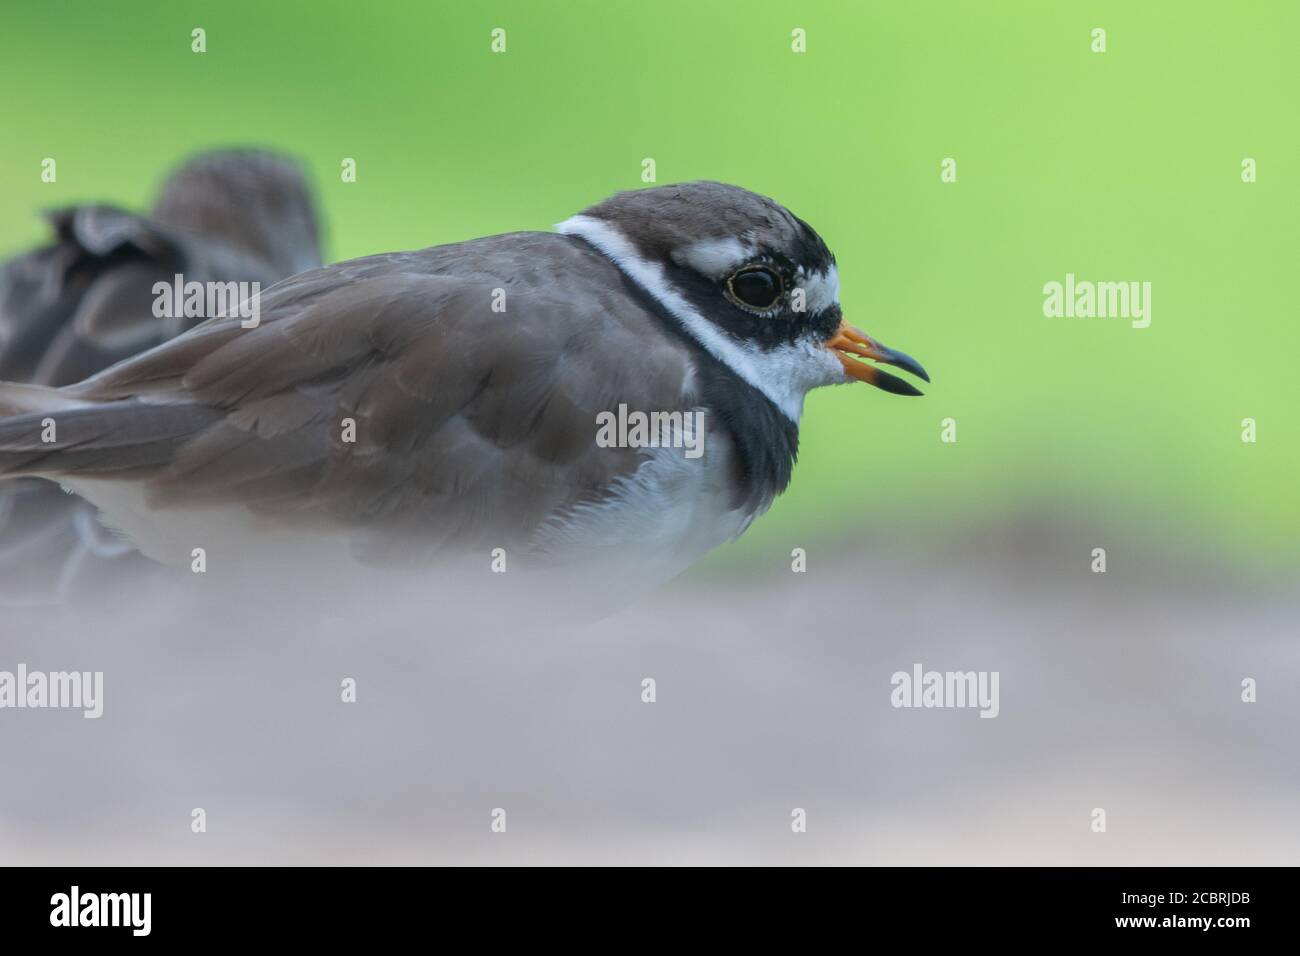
{"type": "Point", "coordinates": [821, 289]}
{"type": "Point", "coordinates": [714, 258]}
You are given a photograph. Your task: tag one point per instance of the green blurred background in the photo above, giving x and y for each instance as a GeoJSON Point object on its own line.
{"type": "Point", "coordinates": [1117, 166]}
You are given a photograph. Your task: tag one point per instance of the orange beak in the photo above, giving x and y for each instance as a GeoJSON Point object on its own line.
{"type": "Point", "coordinates": [849, 341]}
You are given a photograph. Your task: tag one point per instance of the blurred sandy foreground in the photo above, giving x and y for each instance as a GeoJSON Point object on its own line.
{"type": "Point", "coordinates": [1119, 691]}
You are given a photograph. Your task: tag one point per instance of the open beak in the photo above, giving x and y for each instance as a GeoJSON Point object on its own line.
{"type": "Point", "coordinates": [849, 341]}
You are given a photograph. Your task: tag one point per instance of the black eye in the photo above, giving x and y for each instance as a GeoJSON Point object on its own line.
{"type": "Point", "coordinates": [756, 287]}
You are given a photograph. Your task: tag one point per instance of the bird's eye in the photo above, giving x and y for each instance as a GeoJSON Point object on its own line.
{"type": "Point", "coordinates": [756, 287]}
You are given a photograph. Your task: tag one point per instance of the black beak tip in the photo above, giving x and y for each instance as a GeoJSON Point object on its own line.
{"type": "Point", "coordinates": [895, 385]}
{"type": "Point", "coordinates": [910, 364]}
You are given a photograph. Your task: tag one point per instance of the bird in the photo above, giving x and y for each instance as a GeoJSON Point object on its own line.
{"type": "Point", "coordinates": [407, 407]}
{"type": "Point", "coordinates": [82, 302]}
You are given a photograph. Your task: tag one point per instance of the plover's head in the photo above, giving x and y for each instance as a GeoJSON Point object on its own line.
{"type": "Point", "coordinates": [750, 281]}
{"type": "Point", "coordinates": [253, 199]}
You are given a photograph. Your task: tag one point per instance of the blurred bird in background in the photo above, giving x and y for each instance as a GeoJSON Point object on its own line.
{"type": "Point", "coordinates": [85, 301]}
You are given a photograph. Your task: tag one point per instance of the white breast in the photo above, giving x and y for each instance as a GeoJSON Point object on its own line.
{"type": "Point", "coordinates": [656, 522]}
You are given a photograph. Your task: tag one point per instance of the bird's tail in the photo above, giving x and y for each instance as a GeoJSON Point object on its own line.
{"type": "Point", "coordinates": [48, 433]}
